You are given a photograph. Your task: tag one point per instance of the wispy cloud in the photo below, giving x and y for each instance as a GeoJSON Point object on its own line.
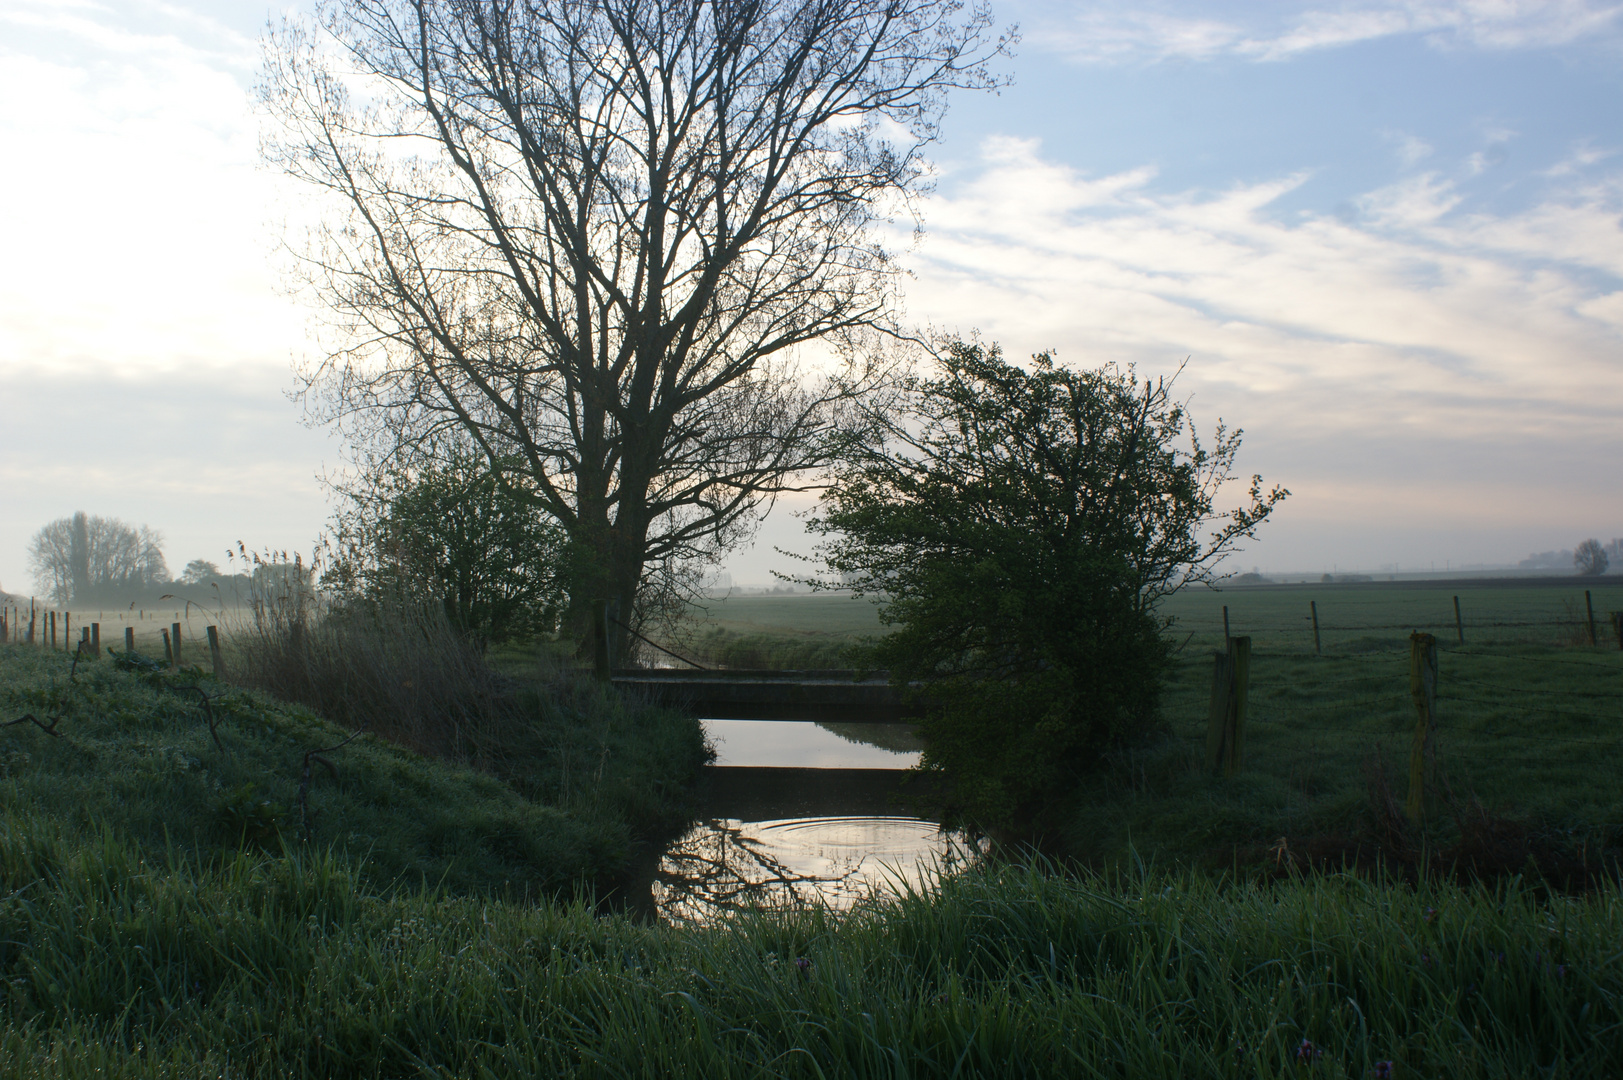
{"type": "Point", "coordinates": [1104, 33]}
{"type": "Point", "coordinates": [1416, 338]}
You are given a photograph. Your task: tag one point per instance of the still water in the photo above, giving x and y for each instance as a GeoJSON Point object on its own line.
{"type": "Point", "coordinates": [799, 813]}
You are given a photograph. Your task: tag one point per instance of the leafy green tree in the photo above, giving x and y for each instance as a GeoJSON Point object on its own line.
{"type": "Point", "coordinates": [452, 532]}
{"type": "Point", "coordinates": [1020, 528]}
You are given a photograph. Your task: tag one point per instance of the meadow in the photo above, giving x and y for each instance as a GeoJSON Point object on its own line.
{"type": "Point", "coordinates": [1530, 733]}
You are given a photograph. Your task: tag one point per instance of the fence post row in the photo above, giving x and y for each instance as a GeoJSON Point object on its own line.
{"type": "Point", "coordinates": [1225, 728]}
{"type": "Point", "coordinates": [1423, 750]}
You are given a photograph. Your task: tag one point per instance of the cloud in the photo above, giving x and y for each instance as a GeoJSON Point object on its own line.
{"type": "Point", "coordinates": [1415, 343]}
{"type": "Point", "coordinates": [139, 238]}
{"type": "Point", "coordinates": [1416, 201]}
{"type": "Point", "coordinates": [1411, 149]}
{"type": "Point", "coordinates": [1105, 33]}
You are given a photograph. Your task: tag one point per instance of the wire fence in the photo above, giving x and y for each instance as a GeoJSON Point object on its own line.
{"type": "Point", "coordinates": [1532, 684]}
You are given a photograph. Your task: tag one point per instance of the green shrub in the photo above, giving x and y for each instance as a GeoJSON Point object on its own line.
{"type": "Point", "coordinates": [1020, 528]}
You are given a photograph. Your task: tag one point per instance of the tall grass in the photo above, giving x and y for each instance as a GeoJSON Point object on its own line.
{"type": "Point", "coordinates": [392, 666]}
{"type": "Point", "coordinates": [397, 668]}
{"type": "Point", "coordinates": [119, 965]}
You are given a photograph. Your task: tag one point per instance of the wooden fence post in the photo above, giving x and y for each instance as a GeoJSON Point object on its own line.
{"type": "Point", "coordinates": [1313, 605]}
{"type": "Point", "coordinates": [214, 652]}
{"type": "Point", "coordinates": [30, 638]}
{"type": "Point", "coordinates": [95, 640]}
{"type": "Point", "coordinates": [1242, 691]}
{"type": "Point", "coordinates": [1589, 609]}
{"type": "Point", "coordinates": [168, 653]}
{"type": "Point", "coordinates": [52, 621]}
{"type": "Point", "coordinates": [1423, 749]}
{"type": "Point", "coordinates": [129, 639]}
{"type": "Point", "coordinates": [1459, 623]}
{"type": "Point", "coordinates": [1217, 715]}
{"type": "Point", "coordinates": [67, 628]}
{"type": "Point", "coordinates": [176, 628]}
{"type": "Point", "coordinates": [1225, 731]}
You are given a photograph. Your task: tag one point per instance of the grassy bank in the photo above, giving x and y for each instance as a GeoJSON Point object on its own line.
{"type": "Point", "coordinates": [131, 750]}
{"type": "Point", "coordinates": [123, 963]}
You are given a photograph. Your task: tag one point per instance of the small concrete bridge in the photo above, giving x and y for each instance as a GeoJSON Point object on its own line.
{"type": "Point", "coordinates": [836, 695]}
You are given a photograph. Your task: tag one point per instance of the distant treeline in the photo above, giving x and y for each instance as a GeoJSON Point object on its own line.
{"type": "Point", "coordinates": [91, 561]}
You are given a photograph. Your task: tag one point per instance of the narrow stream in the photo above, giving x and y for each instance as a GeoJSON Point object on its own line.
{"type": "Point", "coordinates": [799, 813]}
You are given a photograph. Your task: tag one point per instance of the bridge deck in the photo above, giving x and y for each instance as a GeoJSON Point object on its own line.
{"type": "Point", "coordinates": [826, 694]}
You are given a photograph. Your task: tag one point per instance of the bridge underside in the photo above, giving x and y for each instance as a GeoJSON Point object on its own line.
{"type": "Point", "coordinates": [864, 697]}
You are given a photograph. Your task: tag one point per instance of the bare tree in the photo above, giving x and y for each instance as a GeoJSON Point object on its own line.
{"type": "Point", "coordinates": [1589, 558]}
{"type": "Point", "coordinates": [80, 559]}
{"type": "Point", "coordinates": [591, 233]}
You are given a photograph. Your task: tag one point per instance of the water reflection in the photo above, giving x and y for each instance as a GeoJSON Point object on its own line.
{"type": "Point", "coordinates": [726, 865]}
{"type": "Point", "coordinates": [771, 837]}
{"type": "Point", "coordinates": [805, 745]}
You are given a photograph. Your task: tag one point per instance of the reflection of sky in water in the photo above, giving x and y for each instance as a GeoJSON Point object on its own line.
{"type": "Point", "coordinates": [726, 865]}
{"type": "Point", "coordinates": [796, 744]}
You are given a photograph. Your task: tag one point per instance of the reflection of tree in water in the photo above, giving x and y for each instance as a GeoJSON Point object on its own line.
{"type": "Point", "coordinates": [897, 738]}
{"type": "Point", "coordinates": [726, 866]}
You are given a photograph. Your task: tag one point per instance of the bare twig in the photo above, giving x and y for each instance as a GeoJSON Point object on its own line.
{"type": "Point", "coordinates": [661, 648]}
{"type": "Point", "coordinates": [55, 718]}
{"type": "Point", "coordinates": [208, 711]}
{"type": "Point", "coordinates": [312, 757]}
{"type": "Point", "coordinates": [30, 718]}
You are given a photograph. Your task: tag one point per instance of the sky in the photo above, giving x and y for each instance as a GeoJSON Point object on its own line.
{"type": "Point", "coordinates": [1384, 239]}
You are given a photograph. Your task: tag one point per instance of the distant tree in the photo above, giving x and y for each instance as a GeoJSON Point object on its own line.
{"type": "Point", "coordinates": [199, 572]}
{"type": "Point", "coordinates": [452, 532]}
{"type": "Point", "coordinates": [1589, 558]}
{"type": "Point", "coordinates": [87, 559]}
{"type": "Point", "coordinates": [1019, 528]}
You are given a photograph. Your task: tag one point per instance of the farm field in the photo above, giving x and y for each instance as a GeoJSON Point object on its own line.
{"type": "Point", "coordinates": [1530, 738]}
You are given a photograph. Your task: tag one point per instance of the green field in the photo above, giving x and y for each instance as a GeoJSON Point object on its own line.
{"type": "Point", "coordinates": [1278, 617]}
{"type": "Point", "coordinates": [1531, 721]}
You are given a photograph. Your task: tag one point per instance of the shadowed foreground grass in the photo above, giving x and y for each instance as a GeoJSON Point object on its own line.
{"type": "Point", "coordinates": [261, 965]}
